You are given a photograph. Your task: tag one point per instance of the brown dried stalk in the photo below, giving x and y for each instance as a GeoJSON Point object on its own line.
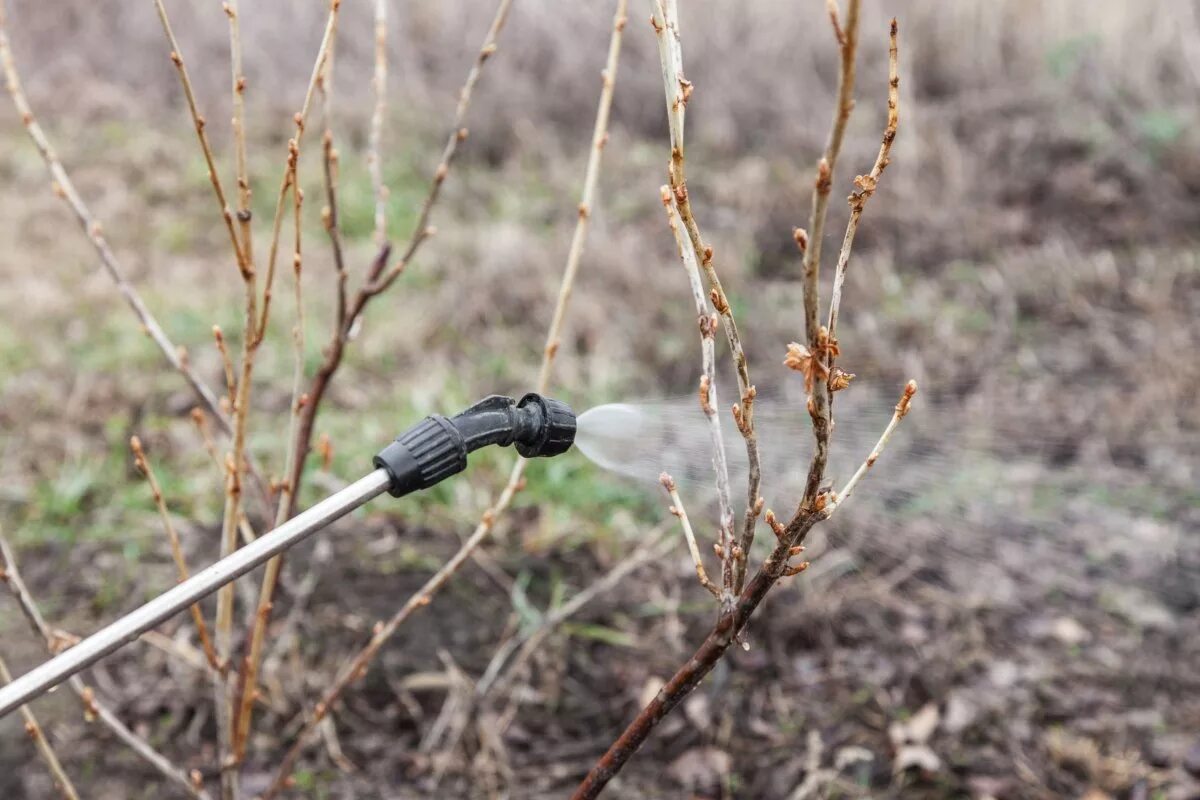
{"type": "Point", "coordinates": [375, 284]}
{"type": "Point", "coordinates": [665, 21]}
{"type": "Point", "coordinates": [94, 709]}
{"type": "Point", "coordinates": [359, 664]}
{"type": "Point", "coordinates": [790, 537]}
{"type": "Point", "coordinates": [65, 189]}
{"type": "Point", "coordinates": [143, 466]}
{"type": "Point", "coordinates": [34, 731]}
{"type": "Point", "coordinates": [529, 641]}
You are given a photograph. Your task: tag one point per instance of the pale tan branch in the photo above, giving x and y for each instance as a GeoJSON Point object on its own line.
{"type": "Point", "coordinates": [65, 189]}
{"type": "Point", "coordinates": [143, 466]}
{"type": "Point", "coordinates": [679, 511]}
{"type": "Point", "coordinates": [665, 21]}
{"type": "Point", "coordinates": [865, 185]}
{"type": "Point", "coordinates": [375, 140]}
{"type": "Point", "coordinates": [34, 731]}
{"type": "Point", "coordinates": [529, 641]}
{"type": "Point", "coordinates": [458, 135]}
{"type": "Point", "coordinates": [708, 394]}
{"type": "Point", "coordinates": [200, 125]}
{"type": "Point", "coordinates": [901, 411]}
{"type": "Point", "coordinates": [93, 707]}
{"type": "Point", "coordinates": [238, 84]}
{"type": "Point", "coordinates": [293, 156]}
{"type": "Point", "coordinates": [847, 38]}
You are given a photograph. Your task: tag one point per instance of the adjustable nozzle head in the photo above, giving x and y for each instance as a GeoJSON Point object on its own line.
{"type": "Point", "coordinates": [436, 447]}
{"type": "Point", "coordinates": [551, 430]}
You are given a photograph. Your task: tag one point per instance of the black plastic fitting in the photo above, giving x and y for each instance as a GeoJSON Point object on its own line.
{"type": "Point", "coordinates": [436, 447]}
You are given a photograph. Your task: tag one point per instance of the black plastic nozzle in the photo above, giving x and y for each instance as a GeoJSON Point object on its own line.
{"type": "Point", "coordinates": [436, 447]}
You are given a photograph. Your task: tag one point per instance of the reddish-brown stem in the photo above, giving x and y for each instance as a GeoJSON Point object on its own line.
{"type": "Point", "coordinates": [687, 677]}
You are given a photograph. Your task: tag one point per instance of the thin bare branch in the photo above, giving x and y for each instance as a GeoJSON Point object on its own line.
{"type": "Point", "coordinates": [847, 38]}
{"type": "Point", "coordinates": [293, 157]}
{"type": "Point", "coordinates": [810, 242]}
{"type": "Point", "coordinates": [458, 134]}
{"type": "Point", "coordinates": [665, 21]}
{"type": "Point", "coordinates": [262, 614]}
{"type": "Point", "coordinates": [901, 411]}
{"type": "Point", "coordinates": [231, 738]}
{"type": "Point", "coordinates": [143, 466]}
{"type": "Point", "coordinates": [678, 510]}
{"type": "Point", "coordinates": [375, 142]}
{"type": "Point", "coordinates": [34, 731]}
{"type": "Point", "coordinates": [359, 664]}
{"type": "Point", "coordinates": [65, 189]}
{"type": "Point", "coordinates": [708, 396]}
{"type": "Point", "coordinates": [865, 185]}
{"type": "Point", "coordinates": [199, 123]}
{"type": "Point", "coordinates": [238, 83]}
{"type": "Point", "coordinates": [530, 640]}
{"type": "Point", "coordinates": [94, 709]}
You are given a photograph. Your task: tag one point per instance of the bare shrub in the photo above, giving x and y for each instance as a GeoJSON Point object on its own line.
{"type": "Point", "coordinates": [253, 497]}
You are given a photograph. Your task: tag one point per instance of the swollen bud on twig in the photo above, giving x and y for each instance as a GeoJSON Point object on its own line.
{"type": "Point", "coordinates": [801, 237]}
{"type": "Point", "coordinates": [902, 408]}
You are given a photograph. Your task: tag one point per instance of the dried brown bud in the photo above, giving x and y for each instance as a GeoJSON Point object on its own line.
{"type": "Point", "coordinates": [796, 570]}
{"type": "Point", "coordinates": [685, 90]}
{"type": "Point", "coordinates": [667, 481]}
{"type": "Point", "coordinates": [90, 710]}
{"type": "Point", "coordinates": [325, 449]}
{"type": "Point", "coordinates": [840, 379]}
{"type": "Point", "coordinates": [798, 357]}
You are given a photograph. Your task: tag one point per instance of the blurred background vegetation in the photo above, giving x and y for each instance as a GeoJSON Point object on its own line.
{"type": "Point", "coordinates": [1031, 259]}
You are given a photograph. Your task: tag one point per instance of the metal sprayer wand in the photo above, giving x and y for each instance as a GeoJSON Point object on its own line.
{"type": "Point", "coordinates": [426, 454]}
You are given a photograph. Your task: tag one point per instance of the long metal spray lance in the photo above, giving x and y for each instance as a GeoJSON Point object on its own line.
{"type": "Point", "coordinates": [424, 455]}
